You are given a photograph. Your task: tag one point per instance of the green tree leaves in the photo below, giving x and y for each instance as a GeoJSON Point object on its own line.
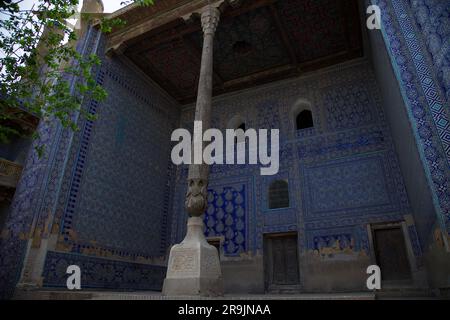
{"type": "Point", "coordinates": [37, 61]}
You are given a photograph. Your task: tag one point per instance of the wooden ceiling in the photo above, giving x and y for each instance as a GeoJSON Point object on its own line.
{"type": "Point", "coordinates": [257, 41]}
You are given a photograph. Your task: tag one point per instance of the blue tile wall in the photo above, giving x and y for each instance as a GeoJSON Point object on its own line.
{"type": "Point", "coordinates": [342, 174]}
{"type": "Point", "coordinates": [116, 190]}
{"type": "Point", "coordinates": [94, 188]}
{"type": "Point", "coordinates": [354, 186]}
{"type": "Point", "coordinates": [411, 41]}
{"type": "Point", "coordinates": [347, 107]}
{"type": "Point", "coordinates": [433, 19]}
{"type": "Point", "coordinates": [114, 199]}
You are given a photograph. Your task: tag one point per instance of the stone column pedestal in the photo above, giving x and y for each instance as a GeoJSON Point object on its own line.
{"type": "Point", "coordinates": [194, 266]}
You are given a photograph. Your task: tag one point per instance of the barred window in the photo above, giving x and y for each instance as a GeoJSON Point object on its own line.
{"type": "Point", "coordinates": [304, 120]}
{"type": "Point", "coordinates": [279, 194]}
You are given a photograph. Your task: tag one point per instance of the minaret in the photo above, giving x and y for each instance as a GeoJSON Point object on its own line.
{"type": "Point", "coordinates": [90, 10]}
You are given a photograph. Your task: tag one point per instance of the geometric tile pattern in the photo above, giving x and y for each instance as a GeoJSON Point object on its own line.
{"type": "Point", "coordinates": [428, 113]}
{"type": "Point", "coordinates": [439, 111]}
{"type": "Point", "coordinates": [433, 18]}
{"type": "Point", "coordinates": [112, 207]}
{"type": "Point", "coordinates": [356, 140]}
{"type": "Point", "coordinates": [116, 207]}
{"type": "Point", "coordinates": [348, 107]}
{"type": "Point", "coordinates": [346, 186]}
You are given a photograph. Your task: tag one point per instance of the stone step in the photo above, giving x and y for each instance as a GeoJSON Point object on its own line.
{"type": "Point", "coordinates": [143, 296]}
{"type": "Point", "coordinates": [104, 295]}
{"type": "Point", "coordinates": [285, 289]}
{"type": "Point", "coordinates": [407, 293]}
{"type": "Point", "coordinates": [52, 295]}
{"type": "Point", "coordinates": [287, 294]}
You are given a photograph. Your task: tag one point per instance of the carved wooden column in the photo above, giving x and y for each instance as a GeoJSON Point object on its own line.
{"type": "Point", "coordinates": [194, 266]}
{"type": "Point", "coordinates": [198, 173]}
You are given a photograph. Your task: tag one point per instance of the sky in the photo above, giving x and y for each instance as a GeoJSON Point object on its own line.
{"type": "Point", "coordinates": [110, 5]}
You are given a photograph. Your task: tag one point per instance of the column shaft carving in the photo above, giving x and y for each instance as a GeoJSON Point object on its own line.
{"type": "Point", "coordinates": [198, 174]}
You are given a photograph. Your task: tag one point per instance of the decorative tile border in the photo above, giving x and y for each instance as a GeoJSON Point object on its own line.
{"type": "Point", "coordinates": [427, 111]}
{"type": "Point", "coordinates": [98, 273]}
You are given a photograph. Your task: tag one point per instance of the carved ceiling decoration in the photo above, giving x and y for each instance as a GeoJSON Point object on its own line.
{"type": "Point", "coordinates": [258, 41]}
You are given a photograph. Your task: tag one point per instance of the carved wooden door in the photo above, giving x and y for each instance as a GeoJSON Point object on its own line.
{"type": "Point", "coordinates": [283, 268]}
{"type": "Point", "coordinates": [391, 255]}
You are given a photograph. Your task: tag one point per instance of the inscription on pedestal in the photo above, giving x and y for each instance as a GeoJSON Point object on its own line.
{"type": "Point", "coordinates": [184, 261]}
{"type": "Point", "coordinates": [211, 264]}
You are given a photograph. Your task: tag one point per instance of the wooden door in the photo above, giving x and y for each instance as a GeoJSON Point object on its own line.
{"type": "Point", "coordinates": [391, 255]}
{"type": "Point", "coordinates": [282, 261]}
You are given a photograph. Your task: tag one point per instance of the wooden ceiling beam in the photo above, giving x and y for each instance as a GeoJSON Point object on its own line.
{"type": "Point", "coordinates": [149, 69]}
{"type": "Point", "coordinates": [323, 62]}
{"type": "Point", "coordinates": [280, 72]}
{"type": "Point", "coordinates": [281, 29]}
{"type": "Point", "coordinates": [134, 35]}
{"type": "Point", "coordinates": [180, 32]}
{"type": "Point", "coordinates": [152, 42]}
{"type": "Point", "coordinates": [344, 11]}
{"type": "Point", "coordinates": [117, 39]}
{"type": "Point", "coordinates": [255, 77]}
{"type": "Point", "coordinates": [245, 7]}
